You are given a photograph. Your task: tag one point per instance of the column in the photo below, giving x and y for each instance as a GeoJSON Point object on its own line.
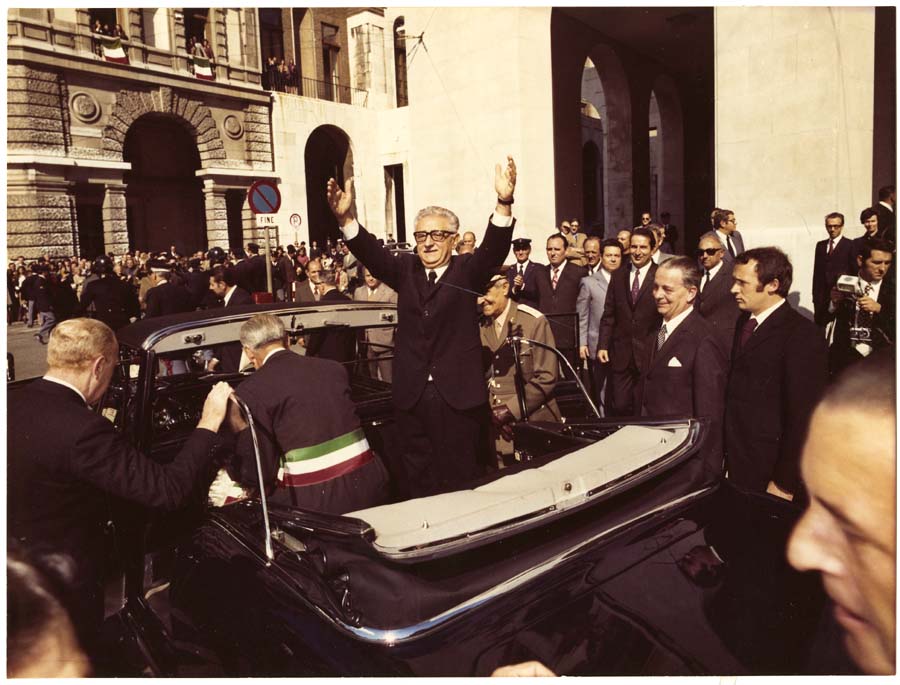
{"type": "Point", "coordinates": [115, 223]}
{"type": "Point", "coordinates": [216, 214]}
{"type": "Point", "coordinates": [40, 217]}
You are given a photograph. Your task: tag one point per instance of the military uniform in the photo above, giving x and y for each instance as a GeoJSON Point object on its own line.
{"type": "Point", "coordinates": [539, 367]}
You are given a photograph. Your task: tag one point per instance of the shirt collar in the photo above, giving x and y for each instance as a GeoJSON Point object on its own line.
{"type": "Point", "coordinates": [60, 381]}
{"type": "Point", "coordinates": [765, 314]}
{"type": "Point", "coordinates": [715, 269]}
{"type": "Point", "coordinates": [676, 322]}
{"type": "Point", "coordinates": [606, 274]}
{"type": "Point", "coordinates": [561, 267]}
{"type": "Point", "coordinates": [643, 270]}
{"type": "Point", "coordinates": [887, 206]}
{"type": "Point", "coordinates": [229, 293]}
{"type": "Point", "coordinates": [836, 240]}
{"type": "Point", "coordinates": [439, 271]}
{"type": "Point", "coordinates": [275, 351]}
{"type": "Point", "coordinates": [503, 315]}
{"type": "Point", "coordinates": [523, 265]}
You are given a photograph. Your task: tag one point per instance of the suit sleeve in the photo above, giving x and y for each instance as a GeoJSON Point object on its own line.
{"type": "Point", "coordinates": [377, 259]}
{"type": "Point", "coordinates": [87, 297]}
{"type": "Point", "coordinates": [710, 375]}
{"type": "Point", "coordinates": [805, 372]}
{"type": "Point", "coordinates": [538, 388]}
{"type": "Point", "coordinates": [490, 254]}
{"type": "Point", "coordinates": [107, 461]}
{"type": "Point", "coordinates": [608, 320]}
{"type": "Point", "coordinates": [582, 306]}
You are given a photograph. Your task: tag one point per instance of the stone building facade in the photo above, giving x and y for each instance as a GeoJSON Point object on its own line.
{"type": "Point", "coordinates": [74, 119]}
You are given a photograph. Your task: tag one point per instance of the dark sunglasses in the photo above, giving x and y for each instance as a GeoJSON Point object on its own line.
{"type": "Point", "coordinates": [709, 251]}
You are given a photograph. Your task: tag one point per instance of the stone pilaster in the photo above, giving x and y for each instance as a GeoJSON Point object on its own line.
{"type": "Point", "coordinates": [135, 26]}
{"type": "Point", "coordinates": [258, 136]}
{"type": "Point", "coordinates": [115, 225]}
{"type": "Point", "coordinates": [216, 214]}
{"type": "Point", "coordinates": [219, 41]}
{"type": "Point", "coordinates": [36, 110]}
{"type": "Point", "coordinates": [40, 218]}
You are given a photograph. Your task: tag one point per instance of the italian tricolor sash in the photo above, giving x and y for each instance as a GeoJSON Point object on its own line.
{"type": "Point", "coordinates": [327, 460]}
{"type": "Point", "coordinates": [202, 68]}
{"type": "Point", "coordinates": [113, 50]}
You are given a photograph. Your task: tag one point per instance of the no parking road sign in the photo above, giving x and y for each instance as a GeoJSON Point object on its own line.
{"type": "Point", "coordinates": [264, 197]}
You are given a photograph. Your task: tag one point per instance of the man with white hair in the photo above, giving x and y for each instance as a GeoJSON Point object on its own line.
{"type": "Point", "coordinates": [438, 390]}
{"type": "Point", "coordinates": [313, 451]}
{"type": "Point", "coordinates": [66, 460]}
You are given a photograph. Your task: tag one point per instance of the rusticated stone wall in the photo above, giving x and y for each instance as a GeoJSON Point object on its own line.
{"type": "Point", "coordinates": [258, 134]}
{"type": "Point", "coordinates": [41, 220]}
{"type": "Point", "coordinates": [36, 110]}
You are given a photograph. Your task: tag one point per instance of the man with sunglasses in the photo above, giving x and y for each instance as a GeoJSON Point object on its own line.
{"type": "Point", "coordinates": [716, 303]}
{"type": "Point", "coordinates": [438, 390]}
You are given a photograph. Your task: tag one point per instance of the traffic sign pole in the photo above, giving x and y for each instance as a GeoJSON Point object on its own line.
{"type": "Point", "coordinates": [264, 199]}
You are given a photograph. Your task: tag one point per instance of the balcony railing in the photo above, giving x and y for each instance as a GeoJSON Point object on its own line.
{"type": "Point", "coordinates": [335, 92]}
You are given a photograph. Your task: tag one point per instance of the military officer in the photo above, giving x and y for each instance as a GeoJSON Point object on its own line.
{"type": "Point", "coordinates": [502, 318]}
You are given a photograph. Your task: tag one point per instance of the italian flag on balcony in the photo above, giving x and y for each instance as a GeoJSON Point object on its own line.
{"type": "Point", "coordinates": [203, 68]}
{"type": "Point", "coordinates": [113, 50]}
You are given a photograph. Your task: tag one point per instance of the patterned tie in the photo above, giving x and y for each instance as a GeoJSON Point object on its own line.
{"type": "Point", "coordinates": [555, 279]}
{"type": "Point", "coordinates": [661, 336]}
{"type": "Point", "coordinates": [635, 287]}
{"type": "Point", "coordinates": [747, 331]}
{"type": "Point", "coordinates": [830, 246]}
{"type": "Point", "coordinates": [730, 246]}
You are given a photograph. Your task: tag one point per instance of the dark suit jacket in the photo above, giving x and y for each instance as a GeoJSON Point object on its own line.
{"type": "Point", "coordinates": [239, 297]}
{"type": "Point", "coordinates": [338, 345]}
{"type": "Point", "coordinates": [437, 332]}
{"type": "Point", "coordinates": [826, 271]}
{"type": "Point", "coordinates": [737, 240]}
{"type": "Point", "coordinates": [529, 293]}
{"type": "Point", "coordinates": [695, 388]}
{"type": "Point", "coordinates": [167, 298]}
{"type": "Point", "coordinates": [773, 386]}
{"type": "Point", "coordinates": [40, 293]}
{"type": "Point", "coordinates": [64, 460]}
{"type": "Point", "coordinates": [718, 307]}
{"type": "Point", "coordinates": [625, 327]}
{"type": "Point", "coordinates": [561, 301]}
{"type": "Point", "coordinates": [250, 274]}
{"type": "Point", "coordinates": [886, 222]}
{"type": "Point", "coordinates": [114, 301]}
{"type": "Point", "coordinates": [842, 353]}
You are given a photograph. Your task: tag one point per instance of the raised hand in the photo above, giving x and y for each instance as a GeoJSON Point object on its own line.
{"type": "Point", "coordinates": [340, 201]}
{"type": "Point", "coordinates": [505, 179]}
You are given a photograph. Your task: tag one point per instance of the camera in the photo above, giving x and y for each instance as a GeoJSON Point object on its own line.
{"type": "Point", "coordinates": [851, 284]}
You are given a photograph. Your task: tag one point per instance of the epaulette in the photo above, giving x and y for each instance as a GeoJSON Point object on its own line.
{"type": "Point", "coordinates": [528, 309]}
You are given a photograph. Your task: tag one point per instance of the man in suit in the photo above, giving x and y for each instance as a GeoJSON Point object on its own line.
{"type": "Point", "coordinates": [338, 344]}
{"type": "Point", "coordinates": [379, 341]}
{"type": "Point", "coordinates": [66, 461]}
{"type": "Point", "coordinates": [313, 450]}
{"type": "Point", "coordinates": [590, 303]}
{"type": "Point", "coordinates": [686, 370]}
{"type": "Point", "coordinates": [227, 292]}
{"type": "Point", "coordinates": [27, 293]}
{"type": "Point", "coordinates": [466, 244]}
{"type": "Point", "coordinates": [308, 290]}
{"type": "Point", "coordinates": [833, 258]}
{"type": "Point", "coordinates": [558, 285]}
{"type": "Point", "coordinates": [164, 296]}
{"type": "Point", "coordinates": [624, 239]}
{"type": "Point", "coordinates": [523, 274]}
{"type": "Point", "coordinates": [575, 239]}
{"type": "Point", "coordinates": [502, 317]}
{"type": "Point", "coordinates": [114, 302]}
{"type": "Point", "coordinates": [849, 531]}
{"type": "Point", "coordinates": [871, 309]}
{"type": "Point", "coordinates": [725, 225]}
{"type": "Point", "coordinates": [438, 389]}
{"type": "Point", "coordinates": [250, 273]}
{"type": "Point", "coordinates": [41, 290]}
{"type": "Point", "coordinates": [887, 201]}
{"type": "Point", "coordinates": [779, 366]}
{"type": "Point", "coordinates": [716, 303]}
{"type": "Point", "coordinates": [659, 234]}
{"type": "Point", "coordinates": [869, 219]}
{"type": "Point", "coordinates": [629, 315]}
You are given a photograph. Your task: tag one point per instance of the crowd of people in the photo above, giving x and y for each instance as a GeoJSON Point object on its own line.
{"type": "Point", "coordinates": [711, 335]}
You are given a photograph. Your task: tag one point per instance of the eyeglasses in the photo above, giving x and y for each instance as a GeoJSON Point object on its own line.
{"type": "Point", "coordinates": [709, 251]}
{"type": "Point", "coordinates": [436, 236]}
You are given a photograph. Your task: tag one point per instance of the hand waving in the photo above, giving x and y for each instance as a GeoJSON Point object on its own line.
{"type": "Point", "coordinates": [505, 179]}
{"type": "Point", "coordinates": [340, 201]}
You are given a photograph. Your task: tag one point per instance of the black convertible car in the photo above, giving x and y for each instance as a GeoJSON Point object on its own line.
{"type": "Point", "coordinates": [598, 553]}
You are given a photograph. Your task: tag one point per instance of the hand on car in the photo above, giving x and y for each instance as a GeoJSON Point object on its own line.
{"type": "Point", "coordinates": [527, 669]}
{"type": "Point", "coordinates": [503, 419]}
{"type": "Point", "coordinates": [215, 407]}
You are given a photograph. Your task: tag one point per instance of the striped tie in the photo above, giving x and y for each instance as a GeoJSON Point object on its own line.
{"type": "Point", "coordinates": [661, 336]}
{"type": "Point", "coordinates": [555, 279]}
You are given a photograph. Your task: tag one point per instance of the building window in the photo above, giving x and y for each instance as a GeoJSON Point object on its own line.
{"type": "Point", "coordinates": [330, 54]}
{"type": "Point", "coordinates": [400, 62]}
{"type": "Point", "coordinates": [195, 22]}
{"type": "Point", "coordinates": [234, 31]}
{"type": "Point", "coordinates": [103, 20]}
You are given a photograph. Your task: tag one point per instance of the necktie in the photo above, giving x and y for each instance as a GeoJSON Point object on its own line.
{"type": "Point", "coordinates": [635, 287]}
{"type": "Point", "coordinates": [661, 336]}
{"type": "Point", "coordinates": [730, 246]}
{"type": "Point", "coordinates": [830, 246]}
{"type": "Point", "coordinates": [705, 282]}
{"type": "Point", "coordinates": [747, 331]}
{"type": "Point", "coordinates": [555, 279]}
{"type": "Point", "coordinates": [432, 277]}
{"type": "Point", "coordinates": [590, 271]}
{"type": "Point", "coordinates": [521, 271]}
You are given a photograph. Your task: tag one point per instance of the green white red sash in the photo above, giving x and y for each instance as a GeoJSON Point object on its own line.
{"type": "Point", "coordinates": [327, 460]}
{"type": "Point", "coordinates": [203, 68]}
{"type": "Point", "coordinates": [113, 50]}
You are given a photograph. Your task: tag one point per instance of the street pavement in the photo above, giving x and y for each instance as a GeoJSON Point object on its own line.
{"type": "Point", "coordinates": [30, 357]}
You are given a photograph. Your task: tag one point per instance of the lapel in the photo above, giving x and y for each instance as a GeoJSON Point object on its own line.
{"type": "Point", "coordinates": [422, 280]}
{"type": "Point", "coordinates": [767, 328]}
{"type": "Point", "coordinates": [684, 328]}
{"type": "Point", "coordinates": [645, 285]}
{"type": "Point", "coordinates": [710, 293]}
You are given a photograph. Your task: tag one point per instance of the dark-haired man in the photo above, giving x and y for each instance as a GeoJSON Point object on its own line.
{"type": "Point", "coordinates": [864, 320]}
{"type": "Point", "coordinates": [834, 257]}
{"type": "Point", "coordinates": [629, 315]}
{"type": "Point", "coordinates": [558, 285]}
{"type": "Point", "coordinates": [778, 371]}
{"type": "Point", "coordinates": [250, 273]}
{"type": "Point", "coordinates": [165, 297]}
{"type": "Point", "coordinates": [869, 219]}
{"type": "Point", "coordinates": [227, 292]}
{"type": "Point", "coordinates": [725, 226]}
{"type": "Point", "coordinates": [887, 201]}
{"type": "Point", "coordinates": [114, 302]}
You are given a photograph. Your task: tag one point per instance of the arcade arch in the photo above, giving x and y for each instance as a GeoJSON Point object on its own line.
{"type": "Point", "coordinates": [328, 154]}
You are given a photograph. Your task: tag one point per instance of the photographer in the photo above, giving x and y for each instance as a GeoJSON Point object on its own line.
{"type": "Point", "coordinates": [863, 308]}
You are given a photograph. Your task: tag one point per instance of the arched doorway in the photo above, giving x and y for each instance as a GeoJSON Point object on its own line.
{"type": "Point", "coordinates": [606, 125]}
{"type": "Point", "coordinates": [327, 155]}
{"type": "Point", "coordinates": [164, 197]}
{"type": "Point", "coordinates": [667, 153]}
